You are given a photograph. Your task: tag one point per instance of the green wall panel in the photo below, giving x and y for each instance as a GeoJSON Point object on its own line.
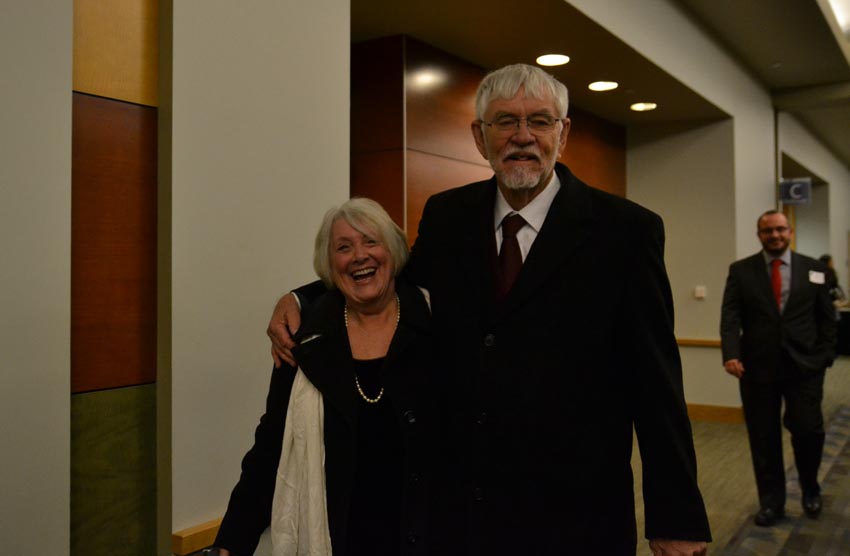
{"type": "Point", "coordinates": [113, 472]}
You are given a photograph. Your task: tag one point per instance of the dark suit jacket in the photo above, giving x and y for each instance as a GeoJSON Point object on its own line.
{"type": "Point", "coordinates": [753, 330]}
{"type": "Point", "coordinates": [544, 389]}
{"type": "Point", "coordinates": [327, 362]}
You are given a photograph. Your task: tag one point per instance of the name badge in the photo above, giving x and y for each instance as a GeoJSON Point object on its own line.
{"type": "Point", "coordinates": [816, 277]}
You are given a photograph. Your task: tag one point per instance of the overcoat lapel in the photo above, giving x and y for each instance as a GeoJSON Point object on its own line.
{"type": "Point", "coordinates": [566, 227]}
{"type": "Point", "coordinates": [325, 356]}
{"type": "Point", "coordinates": [478, 264]}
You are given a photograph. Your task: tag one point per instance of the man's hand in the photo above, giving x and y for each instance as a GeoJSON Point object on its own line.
{"type": "Point", "coordinates": [667, 547]}
{"type": "Point", "coordinates": [285, 321]}
{"type": "Point", "coordinates": [734, 367]}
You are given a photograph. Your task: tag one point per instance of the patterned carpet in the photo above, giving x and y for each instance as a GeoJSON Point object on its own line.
{"type": "Point", "coordinates": [796, 535]}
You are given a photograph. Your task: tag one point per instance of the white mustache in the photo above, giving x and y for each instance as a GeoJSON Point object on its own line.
{"type": "Point", "coordinates": [522, 151]}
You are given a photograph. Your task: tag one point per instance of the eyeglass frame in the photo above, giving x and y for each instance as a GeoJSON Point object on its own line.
{"type": "Point", "coordinates": [516, 123]}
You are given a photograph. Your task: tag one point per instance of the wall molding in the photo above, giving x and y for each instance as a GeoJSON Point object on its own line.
{"type": "Point", "coordinates": [695, 342]}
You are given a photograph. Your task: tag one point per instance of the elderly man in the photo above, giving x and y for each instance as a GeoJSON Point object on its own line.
{"type": "Point", "coordinates": [555, 325]}
{"type": "Point", "coordinates": [778, 333]}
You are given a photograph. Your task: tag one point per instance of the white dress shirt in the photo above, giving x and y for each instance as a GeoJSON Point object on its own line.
{"type": "Point", "coordinates": [534, 214]}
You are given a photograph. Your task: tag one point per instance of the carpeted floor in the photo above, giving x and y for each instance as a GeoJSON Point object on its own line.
{"type": "Point", "coordinates": [796, 535]}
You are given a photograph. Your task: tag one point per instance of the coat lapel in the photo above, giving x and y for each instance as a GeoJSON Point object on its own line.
{"type": "Point", "coordinates": [566, 227]}
{"type": "Point", "coordinates": [478, 246]}
{"type": "Point", "coordinates": [325, 356]}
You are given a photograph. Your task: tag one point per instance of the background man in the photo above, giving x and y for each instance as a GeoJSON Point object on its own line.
{"type": "Point", "coordinates": [555, 330]}
{"type": "Point", "coordinates": [778, 334]}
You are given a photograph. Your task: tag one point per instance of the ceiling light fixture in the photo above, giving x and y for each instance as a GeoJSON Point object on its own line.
{"type": "Point", "coordinates": [553, 60]}
{"type": "Point", "coordinates": [603, 86]}
{"type": "Point", "coordinates": [643, 106]}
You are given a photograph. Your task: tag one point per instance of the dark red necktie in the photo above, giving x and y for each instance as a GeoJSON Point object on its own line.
{"type": "Point", "coordinates": [776, 281]}
{"type": "Point", "coordinates": [510, 257]}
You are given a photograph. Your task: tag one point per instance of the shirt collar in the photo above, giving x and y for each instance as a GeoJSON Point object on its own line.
{"type": "Point", "coordinates": [784, 257]}
{"type": "Point", "coordinates": [534, 213]}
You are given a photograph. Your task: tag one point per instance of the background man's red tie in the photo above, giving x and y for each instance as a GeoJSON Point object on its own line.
{"type": "Point", "coordinates": [776, 281]}
{"type": "Point", "coordinates": [510, 257]}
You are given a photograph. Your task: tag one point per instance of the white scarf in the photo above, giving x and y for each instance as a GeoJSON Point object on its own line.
{"type": "Point", "coordinates": [299, 507]}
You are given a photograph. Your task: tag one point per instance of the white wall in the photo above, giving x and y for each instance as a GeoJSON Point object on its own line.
{"type": "Point", "coordinates": [35, 281]}
{"type": "Point", "coordinates": [260, 150]}
{"type": "Point", "coordinates": [798, 143]}
{"type": "Point", "coordinates": [659, 30]}
{"type": "Point", "coordinates": [811, 224]}
{"type": "Point", "coordinates": [686, 174]}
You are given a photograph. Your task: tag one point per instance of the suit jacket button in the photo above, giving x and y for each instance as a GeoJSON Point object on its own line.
{"type": "Point", "coordinates": [414, 478]}
{"type": "Point", "coordinates": [482, 418]}
{"type": "Point", "coordinates": [489, 340]}
{"type": "Point", "coordinates": [409, 416]}
{"type": "Point", "coordinates": [411, 537]}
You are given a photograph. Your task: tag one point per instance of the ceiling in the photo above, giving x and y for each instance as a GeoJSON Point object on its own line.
{"type": "Point", "coordinates": [787, 45]}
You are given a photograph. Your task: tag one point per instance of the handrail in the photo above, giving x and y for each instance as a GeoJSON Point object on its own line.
{"type": "Point", "coordinates": [193, 539]}
{"type": "Point", "coordinates": [693, 342]}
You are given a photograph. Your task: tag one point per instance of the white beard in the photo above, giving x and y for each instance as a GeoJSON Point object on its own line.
{"type": "Point", "coordinates": [520, 178]}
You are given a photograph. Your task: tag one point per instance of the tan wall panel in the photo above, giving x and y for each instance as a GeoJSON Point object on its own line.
{"type": "Point", "coordinates": [116, 49]}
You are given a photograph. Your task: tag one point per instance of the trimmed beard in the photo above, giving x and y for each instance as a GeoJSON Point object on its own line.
{"type": "Point", "coordinates": [520, 179]}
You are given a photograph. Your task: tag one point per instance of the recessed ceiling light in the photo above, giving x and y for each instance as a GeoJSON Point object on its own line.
{"type": "Point", "coordinates": [553, 60]}
{"type": "Point", "coordinates": [643, 106]}
{"type": "Point", "coordinates": [603, 85]}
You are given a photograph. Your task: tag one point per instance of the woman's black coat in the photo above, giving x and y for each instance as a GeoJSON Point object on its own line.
{"type": "Point", "coordinates": [325, 358]}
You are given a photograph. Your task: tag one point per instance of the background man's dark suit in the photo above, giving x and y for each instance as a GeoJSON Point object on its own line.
{"type": "Point", "coordinates": [796, 346]}
{"type": "Point", "coordinates": [542, 390]}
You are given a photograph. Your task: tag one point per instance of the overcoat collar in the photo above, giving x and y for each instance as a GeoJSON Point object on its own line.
{"type": "Point", "coordinates": [324, 354]}
{"type": "Point", "coordinates": [566, 227]}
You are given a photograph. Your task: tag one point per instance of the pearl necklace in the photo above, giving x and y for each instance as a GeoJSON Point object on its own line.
{"type": "Point", "coordinates": [360, 391]}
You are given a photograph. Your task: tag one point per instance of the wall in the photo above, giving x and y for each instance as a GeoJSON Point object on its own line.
{"type": "Point", "coordinates": [811, 221]}
{"type": "Point", "coordinates": [259, 151]}
{"type": "Point", "coordinates": [796, 141]}
{"type": "Point", "coordinates": [682, 49]}
{"type": "Point", "coordinates": [35, 227]}
{"type": "Point", "coordinates": [686, 174]}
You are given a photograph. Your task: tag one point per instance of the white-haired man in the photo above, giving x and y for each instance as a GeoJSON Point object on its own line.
{"type": "Point", "coordinates": [555, 329]}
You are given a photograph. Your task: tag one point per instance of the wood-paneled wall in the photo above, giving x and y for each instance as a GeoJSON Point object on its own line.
{"type": "Point", "coordinates": [113, 244]}
{"type": "Point", "coordinates": [113, 278]}
{"type": "Point", "coordinates": [411, 110]}
{"type": "Point", "coordinates": [116, 49]}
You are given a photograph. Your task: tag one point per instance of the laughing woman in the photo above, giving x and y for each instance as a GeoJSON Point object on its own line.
{"type": "Point", "coordinates": [339, 462]}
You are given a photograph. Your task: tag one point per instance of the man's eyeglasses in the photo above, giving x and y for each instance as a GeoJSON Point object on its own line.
{"type": "Point", "coordinates": [777, 229]}
{"type": "Point", "coordinates": [508, 125]}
